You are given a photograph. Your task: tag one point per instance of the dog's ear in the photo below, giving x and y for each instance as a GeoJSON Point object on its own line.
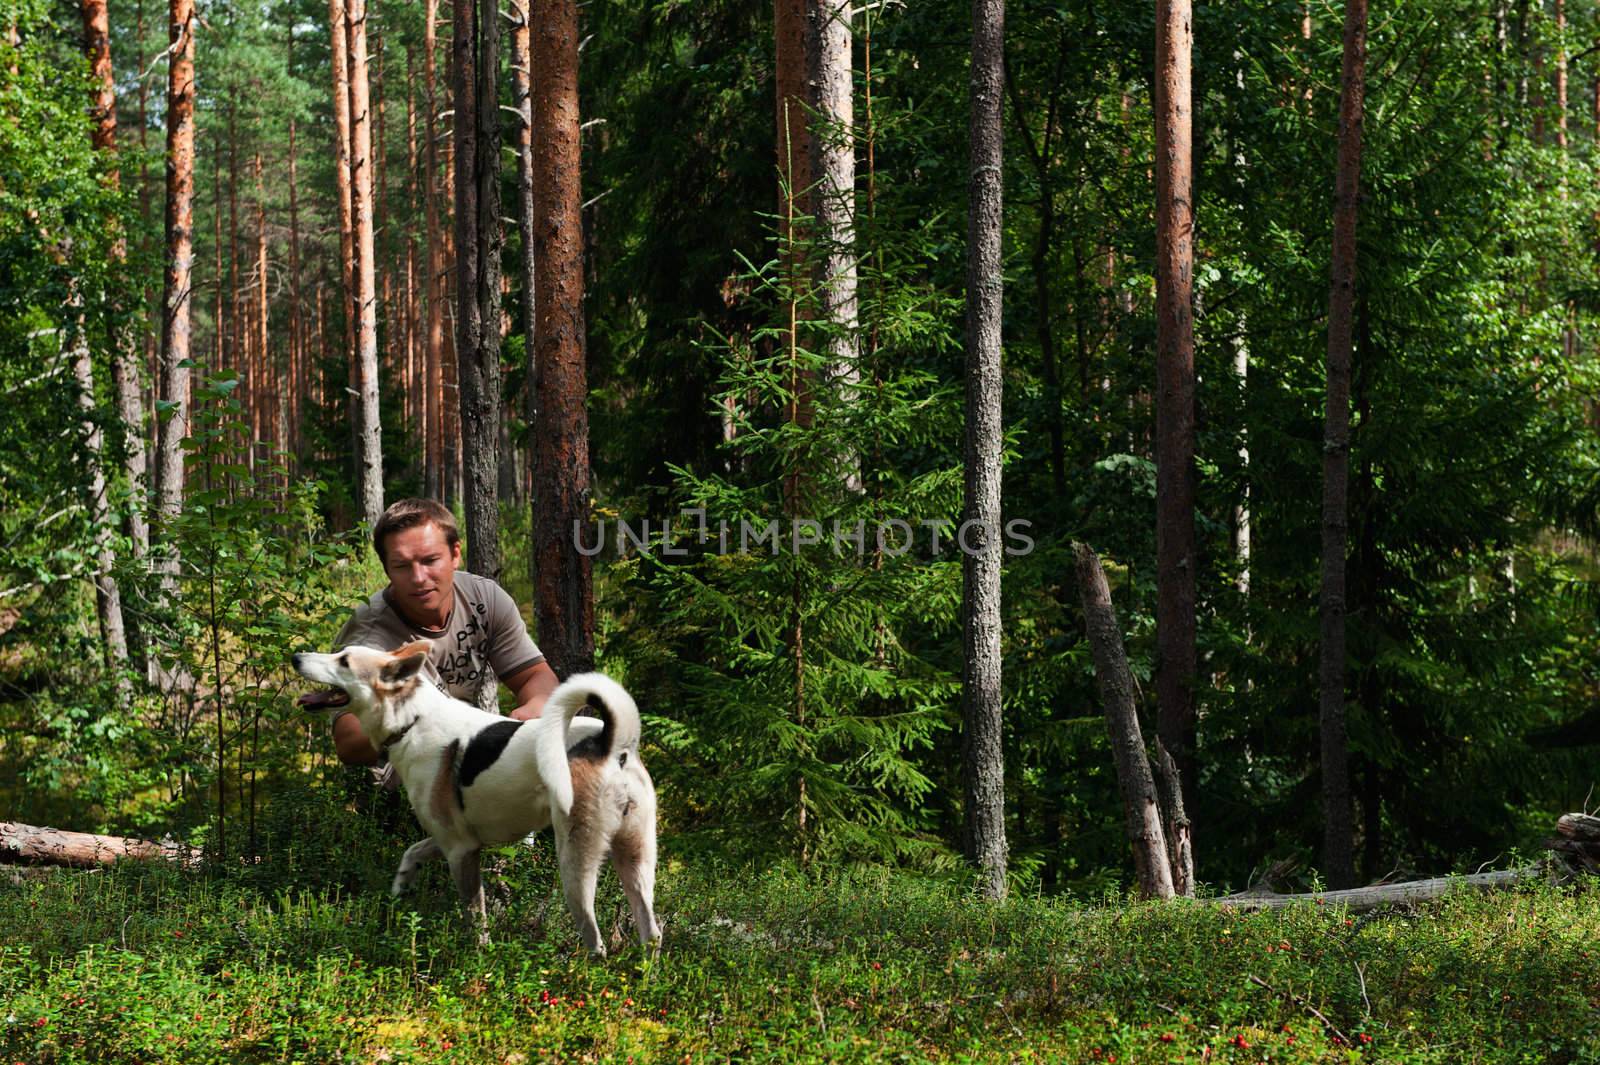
{"type": "Point", "coordinates": [407, 662]}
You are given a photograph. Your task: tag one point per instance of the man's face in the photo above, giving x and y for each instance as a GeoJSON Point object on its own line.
{"type": "Point", "coordinates": [422, 569]}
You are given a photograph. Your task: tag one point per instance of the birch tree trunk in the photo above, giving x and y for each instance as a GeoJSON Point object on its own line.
{"type": "Point", "coordinates": [830, 93]}
{"type": "Point", "coordinates": [1338, 842]}
{"type": "Point", "coordinates": [564, 593]}
{"type": "Point", "coordinates": [983, 764]}
{"type": "Point", "coordinates": [369, 440]}
{"type": "Point", "coordinates": [1175, 490]}
{"type": "Point", "coordinates": [478, 242]}
{"type": "Point", "coordinates": [175, 317]}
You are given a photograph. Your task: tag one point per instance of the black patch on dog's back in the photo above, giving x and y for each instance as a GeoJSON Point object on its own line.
{"type": "Point", "coordinates": [484, 750]}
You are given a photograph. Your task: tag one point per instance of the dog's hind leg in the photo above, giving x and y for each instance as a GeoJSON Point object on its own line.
{"type": "Point", "coordinates": [580, 860]}
{"type": "Point", "coordinates": [464, 867]}
{"type": "Point", "coordinates": [415, 855]}
{"type": "Point", "coordinates": [633, 852]}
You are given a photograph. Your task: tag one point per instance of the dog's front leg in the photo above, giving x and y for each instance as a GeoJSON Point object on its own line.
{"type": "Point", "coordinates": [415, 855]}
{"type": "Point", "coordinates": [464, 867]}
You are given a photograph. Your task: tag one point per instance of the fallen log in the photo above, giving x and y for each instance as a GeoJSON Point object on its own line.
{"type": "Point", "coordinates": [34, 845]}
{"type": "Point", "coordinates": [1359, 900]}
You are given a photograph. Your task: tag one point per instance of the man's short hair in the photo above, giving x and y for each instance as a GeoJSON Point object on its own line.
{"type": "Point", "coordinates": [410, 513]}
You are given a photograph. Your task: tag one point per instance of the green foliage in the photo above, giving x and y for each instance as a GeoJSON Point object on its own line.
{"type": "Point", "coordinates": [150, 964]}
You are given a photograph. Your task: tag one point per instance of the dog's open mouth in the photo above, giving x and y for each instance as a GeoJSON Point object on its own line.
{"type": "Point", "coordinates": [323, 700]}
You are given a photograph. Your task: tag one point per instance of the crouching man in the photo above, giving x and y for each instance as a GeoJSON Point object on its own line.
{"type": "Point", "coordinates": [479, 639]}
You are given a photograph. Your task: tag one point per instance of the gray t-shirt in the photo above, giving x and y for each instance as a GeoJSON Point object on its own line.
{"type": "Point", "coordinates": [484, 639]}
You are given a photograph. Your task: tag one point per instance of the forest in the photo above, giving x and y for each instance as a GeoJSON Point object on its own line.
{"type": "Point", "coordinates": [1062, 452]}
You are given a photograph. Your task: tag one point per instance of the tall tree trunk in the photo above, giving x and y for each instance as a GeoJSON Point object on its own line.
{"type": "Point", "coordinates": [1175, 478]}
{"type": "Point", "coordinates": [522, 80]}
{"type": "Point", "coordinates": [233, 352]}
{"type": "Point", "coordinates": [1338, 842]}
{"type": "Point", "coordinates": [107, 596]}
{"type": "Point", "coordinates": [833, 164]}
{"type": "Point", "coordinates": [565, 592]}
{"type": "Point", "coordinates": [339, 36]}
{"type": "Point", "coordinates": [297, 378]}
{"type": "Point", "coordinates": [478, 241]}
{"type": "Point", "coordinates": [369, 450]}
{"type": "Point", "coordinates": [983, 764]}
{"type": "Point", "coordinates": [794, 201]}
{"type": "Point", "coordinates": [175, 318]}
{"type": "Point", "coordinates": [433, 374]}
{"type": "Point", "coordinates": [124, 356]}
{"type": "Point", "coordinates": [413, 378]}
{"type": "Point", "coordinates": [1239, 532]}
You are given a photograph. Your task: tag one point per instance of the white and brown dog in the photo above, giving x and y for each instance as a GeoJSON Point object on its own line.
{"type": "Point", "coordinates": [476, 779]}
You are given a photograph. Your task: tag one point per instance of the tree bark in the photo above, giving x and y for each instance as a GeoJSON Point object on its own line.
{"type": "Point", "coordinates": [369, 439]}
{"type": "Point", "coordinates": [177, 280]}
{"type": "Point", "coordinates": [339, 63]}
{"type": "Point", "coordinates": [433, 289]}
{"type": "Point", "coordinates": [1338, 841]}
{"type": "Point", "coordinates": [564, 592]}
{"type": "Point", "coordinates": [298, 378]}
{"type": "Point", "coordinates": [527, 214]}
{"type": "Point", "coordinates": [108, 597]}
{"type": "Point", "coordinates": [1141, 809]}
{"type": "Point", "coordinates": [1360, 900]}
{"type": "Point", "coordinates": [830, 93]}
{"type": "Point", "coordinates": [983, 761]}
{"type": "Point", "coordinates": [478, 243]}
{"type": "Point", "coordinates": [36, 845]}
{"type": "Point", "coordinates": [794, 206]}
{"type": "Point", "coordinates": [1175, 478]}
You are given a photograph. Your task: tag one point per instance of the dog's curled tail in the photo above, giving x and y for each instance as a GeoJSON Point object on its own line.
{"type": "Point", "coordinates": [589, 695]}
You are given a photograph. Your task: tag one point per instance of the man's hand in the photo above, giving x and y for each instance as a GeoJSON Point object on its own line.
{"type": "Point", "coordinates": [532, 687]}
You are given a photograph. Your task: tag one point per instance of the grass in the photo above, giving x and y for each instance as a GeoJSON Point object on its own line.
{"type": "Point", "coordinates": [306, 959]}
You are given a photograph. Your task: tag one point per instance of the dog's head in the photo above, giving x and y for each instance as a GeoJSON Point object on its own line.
{"type": "Point", "coordinates": [371, 682]}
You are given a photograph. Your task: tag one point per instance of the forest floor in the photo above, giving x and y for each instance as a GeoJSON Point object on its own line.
{"type": "Point", "coordinates": [307, 959]}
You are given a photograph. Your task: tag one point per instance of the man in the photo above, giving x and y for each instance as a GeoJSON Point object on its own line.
{"type": "Point", "coordinates": [476, 631]}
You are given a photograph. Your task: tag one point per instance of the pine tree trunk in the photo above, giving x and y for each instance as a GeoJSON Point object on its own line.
{"type": "Point", "coordinates": [478, 241]}
{"type": "Point", "coordinates": [266, 366]}
{"type": "Point", "coordinates": [983, 765]}
{"type": "Point", "coordinates": [415, 403]}
{"type": "Point", "coordinates": [232, 353]}
{"type": "Point", "coordinates": [297, 378]}
{"type": "Point", "coordinates": [565, 592]}
{"type": "Point", "coordinates": [433, 289]}
{"type": "Point", "coordinates": [1338, 842]}
{"type": "Point", "coordinates": [833, 163]}
{"type": "Point", "coordinates": [1141, 810]}
{"type": "Point", "coordinates": [1175, 478]}
{"type": "Point", "coordinates": [175, 318]}
{"type": "Point", "coordinates": [339, 36]}
{"type": "Point", "coordinates": [522, 80]}
{"type": "Point", "coordinates": [369, 450]}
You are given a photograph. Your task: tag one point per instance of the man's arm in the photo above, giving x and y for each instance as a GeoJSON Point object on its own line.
{"type": "Point", "coordinates": [531, 685]}
{"type": "Point", "coordinates": [350, 743]}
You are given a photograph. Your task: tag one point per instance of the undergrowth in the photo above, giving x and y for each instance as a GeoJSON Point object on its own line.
{"type": "Point", "coordinates": [306, 958]}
